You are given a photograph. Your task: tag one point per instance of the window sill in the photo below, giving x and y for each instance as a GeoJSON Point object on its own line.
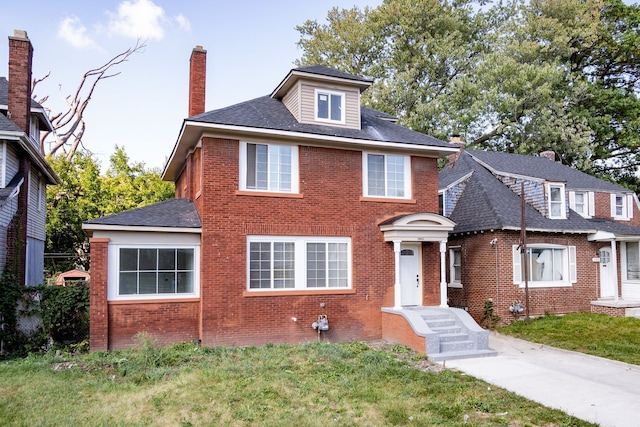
{"type": "Point", "coordinates": [455, 285]}
{"type": "Point", "coordinates": [534, 285]}
{"type": "Point", "coordinates": [298, 292]}
{"type": "Point", "coordinates": [387, 200]}
{"type": "Point", "coordinates": [153, 300]}
{"type": "Point", "coordinates": [268, 194]}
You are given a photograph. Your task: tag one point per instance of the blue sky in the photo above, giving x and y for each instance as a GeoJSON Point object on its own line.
{"type": "Point", "coordinates": [251, 45]}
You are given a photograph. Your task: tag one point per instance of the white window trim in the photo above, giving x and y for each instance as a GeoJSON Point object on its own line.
{"type": "Point", "coordinates": [3, 166]}
{"type": "Point", "coordinates": [563, 210]}
{"type": "Point", "coordinates": [365, 176]}
{"type": "Point", "coordinates": [627, 207]}
{"type": "Point", "coordinates": [589, 203]}
{"type": "Point", "coordinates": [623, 263]}
{"type": "Point", "coordinates": [300, 249]}
{"type": "Point", "coordinates": [570, 268]}
{"type": "Point", "coordinates": [452, 282]}
{"type": "Point", "coordinates": [295, 178]}
{"type": "Point", "coordinates": [114, 272]}
{"type": "Point", "coordinates": [343, 96]}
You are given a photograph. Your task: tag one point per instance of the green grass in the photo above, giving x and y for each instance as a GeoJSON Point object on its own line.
{"type": "Point", "coordinates": [316, 384]}
{"type": "Point", "coordinates": [616, 338]}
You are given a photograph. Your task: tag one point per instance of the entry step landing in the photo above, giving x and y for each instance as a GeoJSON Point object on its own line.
{"type": "Point", "coordinates": [454, 334]}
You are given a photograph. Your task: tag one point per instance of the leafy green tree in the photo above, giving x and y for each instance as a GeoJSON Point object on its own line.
{"type": "Point", "coordinates": [515, 76]}
{"type": "Point", "coordinates": [86, 194]}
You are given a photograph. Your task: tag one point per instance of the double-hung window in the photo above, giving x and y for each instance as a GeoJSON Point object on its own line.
{"type": "Point", "coordinates": [455, 267]}
{"type": "Point", "coordinates": [556, 201]}
{"type": "Point", "coordinates": [156, 271]}
{"type": "Point", "coordinates": [329, 106]}
{"type": "Point", "coordinates": [268, 167]}
{"type": "Point", "coordinates": [621, 206]}
{"type": "Point", "coordinates": [386, 175]}
{"type": "Point", "coordinates": [582, 202]}
{"type": "Point", "coordinates": [632, 260]}
{"type": "Point", "coordinates": [287, 262]}
{"type": "Point", "coordinates": [546, 265]}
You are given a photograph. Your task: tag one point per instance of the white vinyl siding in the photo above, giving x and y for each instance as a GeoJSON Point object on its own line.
{"type": "Point", "coordinates": [36, 215]}
{"type": "Point", "coordinates": [386, 175]}
{"type": "Point", "coordinates": [298, 262]}
{"type": "Point", "coordinates": [549, 265]}
{"type": "Point", "coordinates": [292, 101]}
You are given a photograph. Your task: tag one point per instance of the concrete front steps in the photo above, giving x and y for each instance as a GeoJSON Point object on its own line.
{"type": "Point", "coordinates": [447, 333]}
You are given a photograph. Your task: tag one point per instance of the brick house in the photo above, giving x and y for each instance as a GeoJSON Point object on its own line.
{"type": "Point", "coordinates": [298, 216]}
{"type": "Point", "coordinates": [582, 237]}
{"type": "Point", "coordinates": [24, 172]}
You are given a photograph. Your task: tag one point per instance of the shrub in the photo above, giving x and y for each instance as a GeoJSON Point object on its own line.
{"type": "Point", "coordinates": [65, 312]}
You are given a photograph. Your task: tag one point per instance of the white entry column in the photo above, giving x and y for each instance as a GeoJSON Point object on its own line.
{"type": "Point", "coordinates": [397, 288]}
{"type": "Point", "coordinates": [443, 274]}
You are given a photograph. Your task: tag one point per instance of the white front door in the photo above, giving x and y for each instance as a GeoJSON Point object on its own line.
{"type": "Point", "coordinates": [410, 275]}
{"type": "Point", "coordinates": [607, 274]}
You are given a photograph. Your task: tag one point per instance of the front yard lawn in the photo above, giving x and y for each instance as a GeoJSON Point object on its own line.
{"type": "Point", "coordinates": [616, 338]}
{"type": "Point", "coordinates": [315, 384]}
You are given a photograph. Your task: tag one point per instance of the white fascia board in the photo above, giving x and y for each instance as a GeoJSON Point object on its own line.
{"type": "Point", "coordinates": [456, 182]}
{"type": "Point", "coordinates": [511, 175]}
{"type": "Point", "coordinates": [549, 230]}
{"type": "Point", "coordinates": [349, 142]}
{"type": "Point", "coordinates": [137, 228]}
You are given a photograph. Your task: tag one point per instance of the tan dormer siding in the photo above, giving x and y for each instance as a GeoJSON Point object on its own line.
{"type": "Point", "coordinates": [307, 104]}
{"type": "Point", "coordinates": [292, 101]}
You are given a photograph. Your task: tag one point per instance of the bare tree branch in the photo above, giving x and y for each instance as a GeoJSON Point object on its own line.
{"type": "Point", "coordinates": [69, 125]}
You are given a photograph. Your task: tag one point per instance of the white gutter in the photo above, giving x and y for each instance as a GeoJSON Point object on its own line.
{"type": "Point", "coordinates": [138, 228]}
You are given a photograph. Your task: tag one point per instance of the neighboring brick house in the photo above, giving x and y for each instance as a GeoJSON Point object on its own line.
{"type": "Point", "coordinates": [290, 207]}
{"type": "Point", "coordinates": [24, 173]}
{"type": "Point", "coordinates": [582, 237]}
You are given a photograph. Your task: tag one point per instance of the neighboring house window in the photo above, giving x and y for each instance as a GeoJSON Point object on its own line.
{"type": "Point", "coordinates": [156, 271]}
{"type": "Point", "coordinates": [269, 167]}
{"type": "Point", "coordinates": [280, 263]}
{"type": "Point", "coordinates": [455, 267]}
{"type": "Point", "coordinates": [330, 106]}
{"type": "Point", "coordinates": [582, 202]}
{"type": "Point", "coordinates": [548, 265]}
{"type": "Point", "coordinates": [556, 201]}
{"type": "Point", "coordinates": [441, 203]}
{"type": "Point", "coordinates": [386, 175]}
{"type": "Point", "coordinates": [632, 258]}
{"type": "Point", "coordinates": [621, 207]}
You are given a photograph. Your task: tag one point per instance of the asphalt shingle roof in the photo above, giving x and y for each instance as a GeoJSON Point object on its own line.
{"type": "Point", "coordinates": [172, 213]}
{"type": "Point", "coordinates": [487, 204]}
{"type": "Point", "coordinates": [8, 125]}
{"type": "Point", "coordinates": [331, 72]}
{"type": "Point", "coordinates": [269, 113]}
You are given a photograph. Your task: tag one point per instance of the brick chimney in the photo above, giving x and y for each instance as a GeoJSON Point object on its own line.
{"type": "Point", "coordinates": [197, 80]}
{"type": "Point", "coordinates": [551, 155]}
{"type": "Point", "coordinates": [453, 158]}
{"type": "Point", "coordinates": [20, 57]}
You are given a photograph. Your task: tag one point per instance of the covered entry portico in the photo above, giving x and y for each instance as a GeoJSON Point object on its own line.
{"type": "Point", "coordinates": [408, 232]}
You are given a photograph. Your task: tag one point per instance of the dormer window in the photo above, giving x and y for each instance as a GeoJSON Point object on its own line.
{"type": "Point", "coordinates": [329, 106]}
{"type": "Point", "coordinates": [582, 202]}
{"type": "Point", "coordinates": [621, 207]}
{"type": "Point", "coordinates": [556, 200]}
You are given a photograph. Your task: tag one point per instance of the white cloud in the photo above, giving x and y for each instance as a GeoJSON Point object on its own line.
{"type": "Point", "coordinates": [137, 19]}
{"type": "Point", "coordinates": [183, 22]}
{"type": "Point", "coordinates": [72, 31]}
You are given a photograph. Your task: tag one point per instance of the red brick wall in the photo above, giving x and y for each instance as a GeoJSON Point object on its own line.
{"type": "Point", "coordinates": [610, 311]}
{"type": "Point", "coordinates": [98, 312]}
{"type": "Point", "coordinates": [331, 188]}
{"type": "Point", "coordinates": [396, 329]}
{"type": "Point", "coordinates": [166, 321]}
{"type": "Point", "coordinates": [487, 273]}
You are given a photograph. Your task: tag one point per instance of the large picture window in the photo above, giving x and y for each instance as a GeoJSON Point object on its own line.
{"type": "Point", "coordinates": [155, 271]}
{"type": "Point", "coordinates": [547, 266]}
{"type": "Point", "coordinates": [281, 263]}
{"type": "Point", "coordinates": [386, 175]}
{"type": "Point", "coordinates": [269, 167]}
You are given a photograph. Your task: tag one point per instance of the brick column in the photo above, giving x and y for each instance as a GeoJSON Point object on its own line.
{"type": "Point", "coordinates": [99, 309]}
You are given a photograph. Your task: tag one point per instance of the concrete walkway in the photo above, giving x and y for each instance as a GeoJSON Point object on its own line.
{"type": "Point", "coordinates": [591, 388]}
